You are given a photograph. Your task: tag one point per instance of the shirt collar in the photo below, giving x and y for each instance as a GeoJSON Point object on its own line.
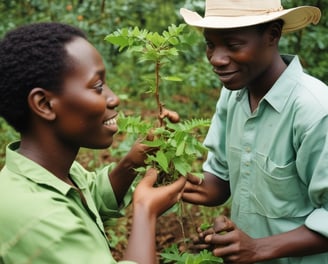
{"type": "Point", "coordinates": [29, 169]}
{"type": "Point", "coordinates": [278, 95]}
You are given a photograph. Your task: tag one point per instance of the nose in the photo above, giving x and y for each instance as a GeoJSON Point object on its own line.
{"type": "Point", "coordinates": [111, 99]}
{"type": "Point", "coordinates": [218, 57]}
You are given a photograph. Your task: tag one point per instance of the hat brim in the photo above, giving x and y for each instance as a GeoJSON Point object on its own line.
{"type": "Point", "coordinates": [294, 19]}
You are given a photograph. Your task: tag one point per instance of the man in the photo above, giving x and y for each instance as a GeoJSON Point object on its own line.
{"type": "Point", "coordinates": [268, 141]}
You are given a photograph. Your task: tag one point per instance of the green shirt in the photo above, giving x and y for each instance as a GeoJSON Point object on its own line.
{"type": "Point", "coordinates": [43, 219]}
{"type": "Point", "coordinates": [276, 158]}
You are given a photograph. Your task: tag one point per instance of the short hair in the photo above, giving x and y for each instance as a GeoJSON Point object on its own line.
{"type": "Point", "coordinates": [32, 56]}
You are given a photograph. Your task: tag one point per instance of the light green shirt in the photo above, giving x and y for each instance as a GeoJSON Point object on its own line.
{"type": "Point", "coordinates": [42, 219]}
{"type": "Point", "coordinates": [275, 158]}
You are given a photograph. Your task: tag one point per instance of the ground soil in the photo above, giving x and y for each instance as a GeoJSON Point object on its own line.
{"type": "Point", "coordinates": [172, 228]}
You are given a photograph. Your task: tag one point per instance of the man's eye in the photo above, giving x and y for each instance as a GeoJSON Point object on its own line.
{"type": "Point", "coordinates": [99, 86]}
{"type": "Point", "coordinates": [234, 45]}
{"type": "Point", "coordinates": [209, 45]}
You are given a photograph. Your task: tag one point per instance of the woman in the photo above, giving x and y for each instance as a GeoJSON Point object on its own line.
{"type": "Point", "coordinates": [53, 92]}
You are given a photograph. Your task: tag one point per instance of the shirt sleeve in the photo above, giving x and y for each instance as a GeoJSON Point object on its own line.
{"type": "Point", "coordinates": [318, 185]}
{"type": "Point", "coordinates": [216, 162]}
{"type": "Point", "coordinates": [312, 163]}
{"type": "Point", "coordinates": [102, 192]}
{"type": "Point", "coordinates": [105, 197]}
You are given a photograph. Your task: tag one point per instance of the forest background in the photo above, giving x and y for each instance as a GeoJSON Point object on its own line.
{"type": "Point", "coordinates": [193, 97]}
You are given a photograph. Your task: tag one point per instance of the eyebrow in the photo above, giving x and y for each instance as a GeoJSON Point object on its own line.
{"type": "Point", "coordinates": [100, 72]}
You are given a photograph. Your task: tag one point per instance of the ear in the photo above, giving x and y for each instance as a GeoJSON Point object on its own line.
{"type": "Point", "coordinates": [274, 31]}
{"type": "Point", "coordinates": [40, 103]}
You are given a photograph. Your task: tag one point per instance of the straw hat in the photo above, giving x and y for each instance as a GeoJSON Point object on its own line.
{"type": "Point", "coordinates": [224, 14]}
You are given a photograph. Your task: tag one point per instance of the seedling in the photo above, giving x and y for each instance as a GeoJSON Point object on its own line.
{"type": "Point", "coordinates": [177, 144]}
{"type": "Point", "coordinates": [173, 255]}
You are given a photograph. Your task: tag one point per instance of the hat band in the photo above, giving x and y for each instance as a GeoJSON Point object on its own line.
{"type": "Point", "coordinates": [239, 12]}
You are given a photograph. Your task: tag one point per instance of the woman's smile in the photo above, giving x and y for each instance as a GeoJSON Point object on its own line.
{"type": "Point", "coordinates": [111, 124]}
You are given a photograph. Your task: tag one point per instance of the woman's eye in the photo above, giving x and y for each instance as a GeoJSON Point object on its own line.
{"type": "Point", "coordinates": [99, 86]}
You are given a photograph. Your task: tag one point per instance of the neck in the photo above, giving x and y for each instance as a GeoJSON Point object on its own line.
{"type": "Point", "coordinates": [265, 82]}
{"type": "Point", "coordinates": [56, 158]}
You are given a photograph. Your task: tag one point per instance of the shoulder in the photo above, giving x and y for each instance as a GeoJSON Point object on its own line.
{"type": "Point", "coordinates": [306, 89]}
{"type": "Point", "coordinates": [23, 201]}
{"type": "Point", "coordinates": [311, 96]}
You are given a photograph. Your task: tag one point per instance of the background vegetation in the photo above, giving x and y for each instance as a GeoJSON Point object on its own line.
{"type": "Point", "coordinates": [194, 97]}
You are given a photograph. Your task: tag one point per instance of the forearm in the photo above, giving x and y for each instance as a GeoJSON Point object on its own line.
{"type": "Point", "coordinates": [141, 246]}
{"type": "Point", "coordinates": [121, 177]}
{"type": "Point", "coordinates": [296, 243]}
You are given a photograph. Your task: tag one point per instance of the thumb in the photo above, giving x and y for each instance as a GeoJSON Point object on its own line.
{"type": "Point", "coordinates": [177, 186]}
{"type": "Point", "coordinates": [150, 176]}
{"type": "Point", "coordinates": [194, 179]}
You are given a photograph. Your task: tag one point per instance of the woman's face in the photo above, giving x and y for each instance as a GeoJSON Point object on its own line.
{"type": "Point", "coordinates": [238, 56]}
{"type": "Point", "coordinates": [85, 107]}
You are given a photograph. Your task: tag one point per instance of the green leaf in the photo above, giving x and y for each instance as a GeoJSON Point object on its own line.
{"type": "Point", "coordinates": [174, 41]}
{"type": "Point", "coordinates": [120, 41]}
{"type": "Point", "coordinates": [172, 78]}
{"type": "Point", "coordinates": [155, 143]}
{"type": "Point", "coordinates": [155, 39]}
{"type": "Point", "coordinates": [180, 148]}
{"type": "Point", "coordinates": [205, 226]}
{"type": "Point", "coordinates": [162, 160]}
{"type": "Point", "coordinates": [181, 166]}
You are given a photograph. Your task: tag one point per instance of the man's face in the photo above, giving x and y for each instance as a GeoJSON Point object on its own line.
{"type": "Point", "coordinates": [238, 56]}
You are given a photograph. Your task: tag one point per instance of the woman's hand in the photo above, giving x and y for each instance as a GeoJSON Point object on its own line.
{"type": "Point", "coordinates": [124, 173]}
{"type": "Point", "coordinates": [157, 199]}
{"type": "Point", "coordinates": [149, 202]}
{"type": "Point", "coordinates": [137, 155]}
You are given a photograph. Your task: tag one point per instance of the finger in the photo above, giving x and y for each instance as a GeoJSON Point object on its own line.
{"type": "Point", "coordinates": [227, 252]}
{"type": "Point", "coordinates": [150, 136]}
{"type": "Point", "coordinates": [200, 247]}
{"type": "Point", "coordinates": [178, 186]}
{"type": "Point", "coordinates": [217, 240]}
{"type": "Point", "coordinates": [193, 196]}
{"type": "Point", "coordinates": [194, 179]}
{"type": "Point", "coordinates": [223, 223]}
{"type": "Point", "coordinates": [174, 190]}
{"type": "Point", "coordinates": [150, 177]}
{"type": "Point", "coordinates": [221, 240]}
{"type": "Point", "coordinates": [208, 231]}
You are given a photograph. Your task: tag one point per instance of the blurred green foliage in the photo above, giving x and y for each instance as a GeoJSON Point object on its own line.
{"type": "Point", "coordinates": [196, 95]}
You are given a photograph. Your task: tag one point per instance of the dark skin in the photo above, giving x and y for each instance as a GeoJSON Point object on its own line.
{"type": "Point", "coordinates": [244, 57]}
{"type": "Point", "coordinates": [57, 118]}
{"type": "Point", "coordinates": [83, 114]}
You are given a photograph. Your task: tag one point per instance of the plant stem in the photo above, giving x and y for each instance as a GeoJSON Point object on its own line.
{"type": "Point", "coordinates": [159, 104]}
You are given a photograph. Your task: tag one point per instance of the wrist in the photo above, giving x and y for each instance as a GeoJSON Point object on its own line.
{"type": "Point", "coordinates": [143, 209]}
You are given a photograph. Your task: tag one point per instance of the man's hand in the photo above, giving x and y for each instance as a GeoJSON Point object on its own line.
{"type": "Point", "coordinates": [229, 242]}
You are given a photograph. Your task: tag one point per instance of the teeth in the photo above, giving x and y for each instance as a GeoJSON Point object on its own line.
{"type": "Point", "coordinates": [110, 122]}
